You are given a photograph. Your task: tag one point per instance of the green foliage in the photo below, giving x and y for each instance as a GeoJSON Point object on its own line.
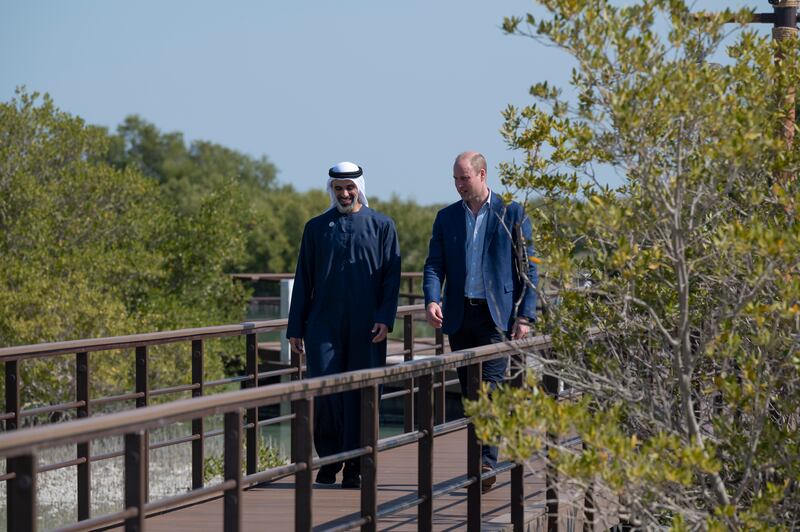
{"type": "Point", "coordinates": [690, 402]}
{"type": "Point", "coordinates": [186, 170]}
{"type": "Point", "coordinates": [414, 224]}
{"type": "Point", "coordinates": [202, 180]}
{"type": "Point", "coordinates": [270, 217]}
{"type": "Point", "coordinates": [275, 227]}
{"type": "Point", "coordinates": [90, 250]}
{"type": "Point", "coordinates": [69, 225]}
{"type": "Point", "coordinates": [269, 456]}
{"type": "Point", "coordinates": [108, 234]}
{"type": "Point", "coordinates": [525, 420]}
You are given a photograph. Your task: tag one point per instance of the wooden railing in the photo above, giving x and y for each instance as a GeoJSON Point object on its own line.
{"type": "Point", "coordinates": [20, 447]}
{"type": "Point", "coordinates": [413, 288]}
{"type": "Point", "coordinates": [139, 345]}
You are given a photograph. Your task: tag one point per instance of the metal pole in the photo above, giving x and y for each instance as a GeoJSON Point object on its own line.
{"type": "Point", "coordinates": [369, 462]}
{"type": "Point", "coordinates": [408, 347]}
{"type": "Point", "coordinates": [198, 428]}
{"type": "Point", "coordinates": [143, 387]}
{"type": "Point", "coordinates": [473, 454]}
{"type": "Point", "coordinates": [135, 479]}
{"type": "Point", "coordinates": [232, 465]}
{"type": "Point", "coordinates": [83, 449]}
{"type": "Point", "coordinates": [22, 493]}
{"type": "Point", "coordinates": [12, 407]}
{"type": "Point", "coordinates": [425, 453]}
{"type": "Point", "coordinates": [302, 454]}
{"type": "Point", "coordinates": [252, 413]}
{"type": "Point", "coordinates": [440, 395]}
{"type": "Point", "coordinates": [518, 473]}
{"type": "Point", "coordinates": [550, 385]}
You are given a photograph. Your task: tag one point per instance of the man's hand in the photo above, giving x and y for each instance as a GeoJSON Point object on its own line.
{"type": "Point", "coordinates": [297, 345]}
{"type": "Point", "coordinates": [433, 313]}
{"type": "Point", "coordinates": [521, 328]}
{"type": "Point", "coordinates": [380, 331]}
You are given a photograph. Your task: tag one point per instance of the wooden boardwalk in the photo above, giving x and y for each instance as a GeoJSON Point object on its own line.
{"type": "Point", "coordinates": [271, 507]}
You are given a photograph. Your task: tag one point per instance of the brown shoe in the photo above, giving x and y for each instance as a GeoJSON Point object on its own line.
{"type": "Point", "coordinates": [488, 482]}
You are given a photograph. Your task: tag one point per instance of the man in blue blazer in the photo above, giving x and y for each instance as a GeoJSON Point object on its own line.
{"type": "Point", "coordinates": [481, 251]}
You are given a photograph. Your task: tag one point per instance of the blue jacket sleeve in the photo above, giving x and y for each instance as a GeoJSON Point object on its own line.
{"type": "Point", "coordinates": [390, 278]}
{"type": "Point", "coordinates": [434, 270]}
{"type": "Point", "coordinates": [303, 287]}
{"type": "Point", "coordinates": [528, 272]}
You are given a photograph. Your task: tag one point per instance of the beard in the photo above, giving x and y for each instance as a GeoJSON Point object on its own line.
{"type": "Point", "coordinates": [345, 209]}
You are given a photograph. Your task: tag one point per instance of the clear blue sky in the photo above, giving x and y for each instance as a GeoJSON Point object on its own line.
{"type": "Point", "coordinates": [399, 87]}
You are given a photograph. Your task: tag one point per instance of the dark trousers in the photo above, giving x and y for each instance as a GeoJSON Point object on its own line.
{"type": "Point", "coordinates": [337, 420]}
{"type": "Point", "coordinates": [337, 417]}
{"type": "Point", "coordinates": [477, 329]}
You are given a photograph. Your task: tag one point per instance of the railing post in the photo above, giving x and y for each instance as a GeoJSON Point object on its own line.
{"type": "Point", "coordinates": [297, 362]}
{"type": "Point", "coordinates": [302, 453]}
{"type": "Point", "coordinates": [441, 378]}
{"type": "Point", "coordinates": [12, 407]}
{"type": "Point", "coordinates": [425, 453]}
{"type": "Point", "coordinates": [232, 465]}
{"type": "Point", "coordinates": [473, 454]}
{"type": "Point", "coordinates": [12, 393]}
{"type": "Point", "coordinates": [22, 493]}
{"type": "Point", "coordinates": [252, 413]}
{"type": "Point", "coordinates": [550, 384]}
{"type": "Point", "coordinates": [411, 298]}
{"type": "Point", "coordinates": [369, 462]}
{"type": "Point", "coordinates": [588, 505]}
{"type": "Point", "coordinates": [135, 478]}
{"type": "Point", "coordinates": [408, 347]}
{"type": "Point", "coordinates": [143, 388]}
{"type": "Point", "coordinates": [551, 493]}
{"type": "Point", "coordinates": [518, 471]}
{"type": "Point", "coordinates": [83, 449]}
{"type": "Point", "coordinates": [198, 429]}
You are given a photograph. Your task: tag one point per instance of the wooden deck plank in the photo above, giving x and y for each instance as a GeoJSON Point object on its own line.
{"type": "Point", "coordinates": [271, 507]}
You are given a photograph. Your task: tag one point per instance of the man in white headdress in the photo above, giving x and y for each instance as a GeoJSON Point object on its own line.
{"type": "Point", "coordinates": [344, 302]}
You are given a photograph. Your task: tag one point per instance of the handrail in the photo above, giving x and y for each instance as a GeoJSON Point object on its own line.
{"type": "Point", "coordinates": [15, 443]}
{"type": "Point", "coordinates": [282, 276]}
{"type": "Point", "coordinates": [419, 381]}
{"type": "Point", "coordinates": [133, 340]}
{"type": "Point", "coordinates": [20, 447]}
{"type": "Point", "coordinates": [83, 403]}
{"type": "Point", "coordinates": [155, 338]}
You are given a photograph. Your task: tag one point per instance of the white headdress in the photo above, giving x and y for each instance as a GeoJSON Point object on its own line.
{"type": "Point", "coordinates": [353, 172]}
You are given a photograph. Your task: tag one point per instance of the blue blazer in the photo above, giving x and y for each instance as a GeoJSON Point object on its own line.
{"type": "Point", "coordinates": [446, 264]}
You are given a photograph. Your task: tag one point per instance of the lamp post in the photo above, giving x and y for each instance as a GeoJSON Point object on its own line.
{"type": "Point", "coordinates": [784, 26]}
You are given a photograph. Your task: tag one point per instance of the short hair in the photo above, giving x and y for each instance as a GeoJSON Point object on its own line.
{"type": "Point", "coordinates": [476, 160]}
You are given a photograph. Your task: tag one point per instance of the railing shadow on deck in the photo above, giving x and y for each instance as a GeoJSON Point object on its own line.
{"type": "Point", "coordinates": [20, 447]}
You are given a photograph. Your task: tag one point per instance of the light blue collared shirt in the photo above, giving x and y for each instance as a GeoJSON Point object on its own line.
{"type": "Point", "coordinates": [476, 235]}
